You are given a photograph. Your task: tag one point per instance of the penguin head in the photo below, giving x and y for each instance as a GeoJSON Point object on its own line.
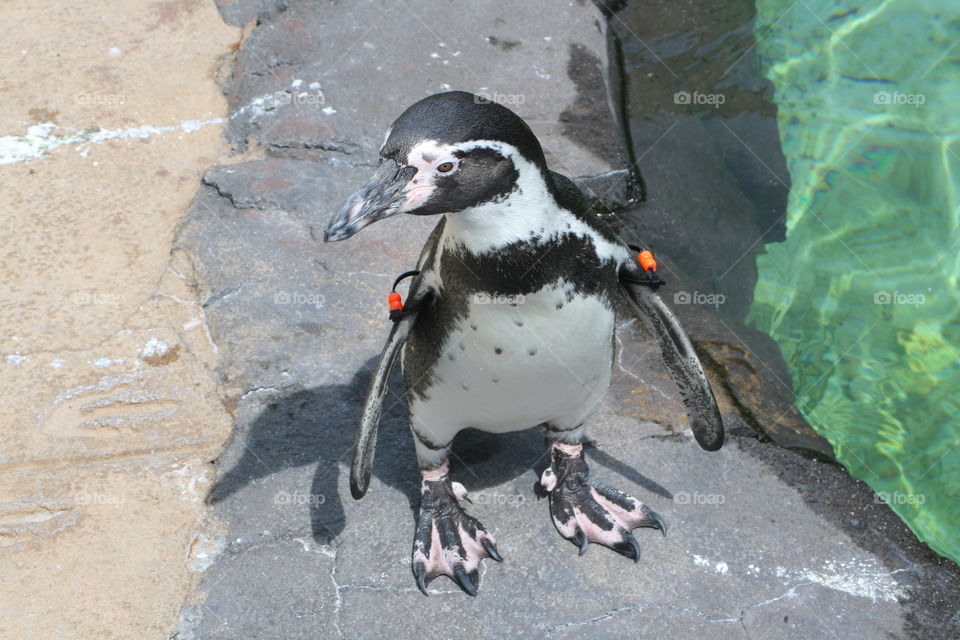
{"type": "Point", "coordinates": [446, 153]}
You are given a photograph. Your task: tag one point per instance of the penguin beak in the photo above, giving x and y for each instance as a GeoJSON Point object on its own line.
{"type": "Point", "coordinates": [380, 198]}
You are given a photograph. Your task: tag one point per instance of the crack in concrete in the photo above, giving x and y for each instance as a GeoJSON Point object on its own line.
{"type": "Point", "coordinates": [223, 194]}
{"type": "Point", "coordinates": [338, 602]}
{"type": "Point", "coordinates": [255, 390]}
{"type": "Point", "coordinates": [333, 147]}
{"type": "Point", "coordinates": [621, 344]}
{"type": "Point", "coordinates": [739, 619]}
{"type": "Point", "coordinates": [554, 629]}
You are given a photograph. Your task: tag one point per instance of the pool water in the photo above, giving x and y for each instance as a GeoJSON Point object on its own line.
{"type": "Point", "coordinates": [862, 296]}
{"type": "Point", "coordinates": [802, 158]}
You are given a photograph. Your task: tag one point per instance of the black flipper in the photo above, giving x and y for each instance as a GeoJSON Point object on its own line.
{"type": "Point", "coordinates": [680, 358]}
{"type": "Point", "coordinates": [366, 439]}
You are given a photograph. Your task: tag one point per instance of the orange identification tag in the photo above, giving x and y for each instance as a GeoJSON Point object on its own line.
{"type": "Point", "coordinates": [395, 301]}
{"type": "Point", "coordinates": [646, 260]}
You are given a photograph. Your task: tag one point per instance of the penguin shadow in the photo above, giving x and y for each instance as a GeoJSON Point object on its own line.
{"type": "Point", "coordinates": [316, 427]}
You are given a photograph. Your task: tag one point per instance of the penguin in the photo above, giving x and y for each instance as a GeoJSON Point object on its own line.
{"type": "Point", "coordinates": [508, 325]}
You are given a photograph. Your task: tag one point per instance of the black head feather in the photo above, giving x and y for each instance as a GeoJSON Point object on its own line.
{"type": "Point", "coordinates": [458, 116]}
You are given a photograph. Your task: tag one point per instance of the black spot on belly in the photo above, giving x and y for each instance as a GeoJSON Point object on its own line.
{"type": "Point", "coordinates": [450, 357]}
{"type": "Point", "coordinates": [532, 352]}
{"type": "Point", "coordinates": [559, 306]}
{"type": "Point", "coordinates": [465, 387]}
{"type": "Point", "coordinates": [494, 380]}
{"type": "Point", "coordinates": [473, 326]}
{"type": "Point", "coordinates": [497, 350]}
{"type": "Point", "coordinates": [519, 323]}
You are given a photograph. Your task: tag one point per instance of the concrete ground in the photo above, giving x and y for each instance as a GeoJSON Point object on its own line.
{"type": "Point", "coordinates": [111, 411]}
{"type": "Point", "coordinates": [186, 321]}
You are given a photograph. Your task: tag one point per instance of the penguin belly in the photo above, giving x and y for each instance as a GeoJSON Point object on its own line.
{"type": "Point", "coordinates": [515, 362]}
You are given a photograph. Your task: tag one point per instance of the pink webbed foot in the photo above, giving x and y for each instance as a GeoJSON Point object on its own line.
{"type": "Point", "coordinates": [448, 541]}
{"type": "Point", "coordinates": [585, 510]}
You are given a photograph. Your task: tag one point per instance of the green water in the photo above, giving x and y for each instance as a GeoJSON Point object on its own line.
{"type": "Point", "coordinates": [863, 295]}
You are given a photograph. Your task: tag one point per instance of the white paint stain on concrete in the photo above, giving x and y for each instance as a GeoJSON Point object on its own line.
{"type": "Point", "coordinates": [864, 578]}
{"type": "Point", "coordinates": [859, 578]}
{"type": "Point", "coordinates": [154, 348]}
{"type": "Point", "coordinates": [191, 480]}
{"type": "Point", "coordinates": [203, 551]}
{"type": "Point", "coordinates": [40, 139]}
{"type": "Point", "coordinates": [268, 103]}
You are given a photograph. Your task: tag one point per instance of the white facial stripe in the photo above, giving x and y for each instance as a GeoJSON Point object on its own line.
{"type": "Point", "coordinates": [492, 226]}
{"type": "Point", "coordinates": [424, 158]}
{"type": "Point", "coordinates": [428, 154]}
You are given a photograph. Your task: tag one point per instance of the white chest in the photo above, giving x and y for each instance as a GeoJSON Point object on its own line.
{"type": "Point", "coordinates": [514, 363]}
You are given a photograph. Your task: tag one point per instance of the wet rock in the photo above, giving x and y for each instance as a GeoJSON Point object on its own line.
{"type": "Point", "coordinates": [293, 89]}
{"type": "Point", "coordinates": [239, 13]}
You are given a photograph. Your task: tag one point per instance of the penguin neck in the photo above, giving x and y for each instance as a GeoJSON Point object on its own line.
{"type": "Point", "coordinates": [529, 212]}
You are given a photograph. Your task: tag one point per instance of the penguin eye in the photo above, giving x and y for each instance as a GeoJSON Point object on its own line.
{"type": "Point", "coordinates": [446, 167]}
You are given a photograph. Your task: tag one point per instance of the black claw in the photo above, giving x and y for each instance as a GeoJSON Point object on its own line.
{"type": "Point", "coordinates": [628, 546]}
{"type": "Point", "coordinates": [420, 573]}
{"type": "Point", "coordinates": [464, 580]}
{"type": "Point", "coordinates": [658, 523]}
{"type": "Point", "coordinates": [539, 491]}
{"type": "Point", "coordinates": [491, 550]}
{"type": "Point", "coordinates": [635, 546]}
{"type": "Point", "coordinates": [582, 541]}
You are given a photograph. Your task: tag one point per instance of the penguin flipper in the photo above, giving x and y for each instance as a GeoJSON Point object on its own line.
{"type": "Point", "coordinates": [366, 438]}
{"type": "Point", "coordinates": [680, 358]}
